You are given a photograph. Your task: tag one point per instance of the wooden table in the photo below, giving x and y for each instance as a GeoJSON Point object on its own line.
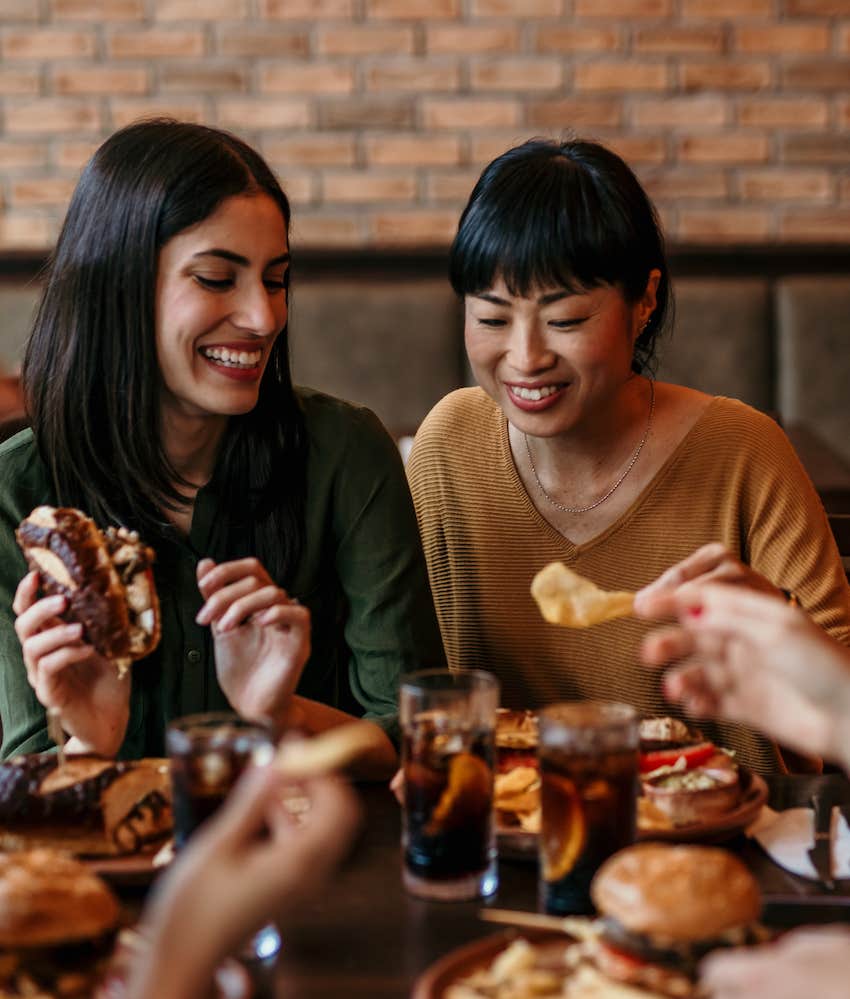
{"type": "Point", "coordinates": [365, 937]}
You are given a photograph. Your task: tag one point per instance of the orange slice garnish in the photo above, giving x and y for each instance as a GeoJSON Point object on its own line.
{"type": "Point", "coordinates": [564, 827]}
{"type": "Point", "coordinates": [467, 795]}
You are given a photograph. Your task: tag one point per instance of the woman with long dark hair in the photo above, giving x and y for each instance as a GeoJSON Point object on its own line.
{"type": "Point", "coordinates": [158, 389]}
{"type": "Point", "coordinates": [569, 450]}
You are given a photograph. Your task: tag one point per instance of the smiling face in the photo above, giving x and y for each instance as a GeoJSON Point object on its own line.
{"type": "Point", "coordinates": [220, 305]}
{"type": "Point", "coordinates": [555, 359]}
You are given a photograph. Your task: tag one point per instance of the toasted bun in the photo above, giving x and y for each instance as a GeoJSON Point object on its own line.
{"type": "Point", "coordinates": [676, 893]}
{"type": "Point", "coordinates": [75, 559]}
{"type": "Point", "coordinates": [48, 898]}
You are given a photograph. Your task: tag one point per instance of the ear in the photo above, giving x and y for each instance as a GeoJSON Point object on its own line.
{"type": "Point", "coordinates": [646, 306]}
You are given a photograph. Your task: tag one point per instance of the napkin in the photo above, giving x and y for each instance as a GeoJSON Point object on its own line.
{"type": "Point", "coordinates": [787, 837]}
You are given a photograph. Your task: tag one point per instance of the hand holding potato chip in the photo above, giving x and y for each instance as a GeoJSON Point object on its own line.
{"type": "Point", "coordinates": [568, 599]}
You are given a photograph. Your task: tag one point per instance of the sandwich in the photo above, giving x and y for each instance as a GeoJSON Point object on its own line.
{"type": "Point", "coordinates": [106, 577]}
{"type": "Point", "coordinates": [89, 806]}
{"type": "Point", "coordinates": [57, 926]}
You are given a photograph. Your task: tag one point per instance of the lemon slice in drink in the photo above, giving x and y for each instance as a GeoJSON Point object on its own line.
{"type": "Point", "coordinates": [467, 794]}
{"type": "Point", "coordinates": [564, 829]}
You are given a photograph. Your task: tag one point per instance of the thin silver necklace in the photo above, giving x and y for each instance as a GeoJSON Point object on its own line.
{"type": "Point", "coordinates": [617, 484]}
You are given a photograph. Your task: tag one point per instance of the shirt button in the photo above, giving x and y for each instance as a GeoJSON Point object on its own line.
{"type": "Point", "coordinates": [193, 655]}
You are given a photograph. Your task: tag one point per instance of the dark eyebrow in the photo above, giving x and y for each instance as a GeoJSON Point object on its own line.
{"type": "Point", "coordinates": [487, 296]}
{"type": "Point", "coordinates": [547, 299]}
{"type": "Point", "coordinates": [237, 258]}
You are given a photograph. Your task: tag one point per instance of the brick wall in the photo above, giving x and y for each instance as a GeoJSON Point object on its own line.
{"type": "Point", "coordinates": [379, 114]}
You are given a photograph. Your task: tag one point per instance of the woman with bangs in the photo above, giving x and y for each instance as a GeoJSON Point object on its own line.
{"type": "Point", "coordinates": [569, 450]}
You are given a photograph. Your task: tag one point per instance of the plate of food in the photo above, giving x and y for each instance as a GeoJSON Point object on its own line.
{"type": "Point", "coordinates": [113, 815]}
{"type": "Point", "coordinates": [661, 907]}
{"type": "Point", "coordinates": [691, 789]}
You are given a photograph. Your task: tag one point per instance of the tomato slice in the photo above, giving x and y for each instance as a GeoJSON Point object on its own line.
{"type": "Point", "coordinates": [694, 756]}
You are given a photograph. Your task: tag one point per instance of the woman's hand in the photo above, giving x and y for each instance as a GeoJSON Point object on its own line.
{"type": "Point", "coordinates": [262, 637]}
{"type": "Point", "coordinates": [806, 962]}
{"type": "Point", "coordinates": [251, 864]}
{"type": "Point", "coordinates": [68, 676]}
{"type": "Point", "coordinates": [754, 659]}
{"type": "Point", "coordinates": [711, 563]}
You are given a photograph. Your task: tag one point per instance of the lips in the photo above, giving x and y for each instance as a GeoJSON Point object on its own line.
{"type": "Point", "coordinates": [534, 398]}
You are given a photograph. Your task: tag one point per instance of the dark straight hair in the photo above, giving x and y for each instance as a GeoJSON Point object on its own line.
{"type": "Point", "coordinates": [563, 214]}
{"type": "Point", "coordinates": [91, 376]}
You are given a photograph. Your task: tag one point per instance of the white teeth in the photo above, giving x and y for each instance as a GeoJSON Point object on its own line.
{"type": "Point", "coordinates": [233, 358]}
{"type": "Point", "coordinates": [535, 394]}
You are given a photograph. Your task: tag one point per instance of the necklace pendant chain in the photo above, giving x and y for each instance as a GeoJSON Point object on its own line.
{"type": "Point", "coordinates": [617, 484]}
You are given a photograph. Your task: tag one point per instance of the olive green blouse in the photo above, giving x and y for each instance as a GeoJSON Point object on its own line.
{"type": "Point", "coordinates": [362, 575]}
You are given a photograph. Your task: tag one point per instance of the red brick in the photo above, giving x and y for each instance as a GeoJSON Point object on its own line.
{"type": "Point", "coordinates": [40, 192]}
{"type": "Point", "coordinates": [165, 43]}
{"type": "Point", "coordinates": [26, 232]}
{"type": "Point", "coordinates": [20, 10]}
{"type": "Point", "coordinates": [451, 186]}
{"type": "Point", "coordinates": [723, 225]}
{"type": "Point", "coordinates": [312, 149]}
{"type": "Point", "coordinates": [726, 8]}
{"type": "Point", "coordinates": [717, 75]}
{"type": "Point", "coordinates": [704, 38]}
{"type": "Point", "coordinates": [123, 111]}
{"type": "Point", "coordinates": [325, 232]}
{"type": "Point", "coordinates": [819, 8]}
{"type": "Point", "coordinates": [487, 146]}
{"type": "Point", "coordinates": [468, 39]}
{"type": "Point", "coordinates": [360, 40]}
{"type": "Point", "coordinates": [635, 149]}
{"type": "Point", "coordinates": [249, 113]}
{"type": "Point", "coordinates": [307, 78]}
{"type": "Point", "coordinates": [821, 225]}
{"type": "Point", "coordinates": [192, 10]}
{"type": "Point", "coordinates": [47, 44]}
{"type": "Point", "coordinates": [413, 228]}
{"type": "Point", "coordinates": [300, 187]}
{"type": "Point", "coordinates": [844, 190]}
{"type": "Point", "coordinates": [678, 184]}
{"type": "Point", "coordinates": [680, 111]}
{"type": "Point", "coordinates": [780, 184]}
{"type": "Point", "coordinates": [628, 75]}
{"type": "Point", "coordinates": [204, 78]}
{"type": "Point", "coordinates": [825, 148]}
{"type": "Point", "coordinates": [353, 187]}
{"type": "Point", "coordinates": [796, 38]}
{"type": "Point", "coordinates": [97, 10]}
{"type": "Point", "coordinates": [723, 148]}
{"type": "Point", "coordinates": [20, 80]}
{"type": "Point", "coordinates": [306, 10]}
{"type": "Point", "coordinates": [623, 8]}
{"type": "Point", "coordinates": [412, 150]}
{"type": "Point", "coordinates": [575, 113]}
{"type": "Point", "coordinates": [100, 80]}
{"type": "Point", "coordinates": [22, 154]}
{"type": "Point", "coordinates": [817, 74]}
{"type": "Point", "coordinates": [557, 38]}
{"type": "Point", "coordinates": [517, 8]}
{"type": "Point", "coordinates": [469, 113]}
{"type": "Point", "coordinates": [271, 40]}
{"type": "Point", "coordinates": [516, 75]}
{"type": "Point", "coordinates": [417, 75]}
{"type": "Point", "coordinates": [48, 116]}
{"type": "Point", "coordinates": [412, 9]}
{"type": "Point", "coordinates": [366, 113]}
{"type": "Point", "coordinates": [74, 155]}
{"type": "Point", "coordinates": [801, 112]}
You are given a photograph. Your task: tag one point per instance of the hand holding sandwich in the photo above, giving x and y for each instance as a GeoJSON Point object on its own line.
{"type": "Point", "coordinates": [67, 674]}
{"type": "Point", "coordinates": [261, 635]}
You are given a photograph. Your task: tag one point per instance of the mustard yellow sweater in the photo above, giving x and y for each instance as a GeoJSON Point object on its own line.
{"type": "Point", "coordinates": [735, 478]}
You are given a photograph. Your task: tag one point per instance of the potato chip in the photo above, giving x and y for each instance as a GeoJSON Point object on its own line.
{"type": "Point", "coordinates": [568, 599]}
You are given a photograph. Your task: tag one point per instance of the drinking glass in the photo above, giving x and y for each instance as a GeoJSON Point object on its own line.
{"type": "Point", "coordinates": [448, 722]}
{"type": "Point", "coordinates": [208, 753]}
{"type": "Point", "coordinates": [589, 784]}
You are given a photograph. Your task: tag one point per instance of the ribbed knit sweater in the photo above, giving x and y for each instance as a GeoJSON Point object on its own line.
{"type": "Point", "coordinates": [734, 478]}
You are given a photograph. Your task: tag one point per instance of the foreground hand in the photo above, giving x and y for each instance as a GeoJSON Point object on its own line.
{"type": "Point", "coordinates": [805, 962]}
{"type": "Point", "coordinates": [754, 659]}
{"type": "Point", "coordinates": [711, 563]}
{"type": "Point", "coordinates": [67, 675]}
{"type": "Point", "coordinates": [262, 637]}
{"type": "Point", "coordinates": [251, 864]}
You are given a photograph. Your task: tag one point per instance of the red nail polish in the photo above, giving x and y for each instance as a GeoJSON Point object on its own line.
{"type": "Point", "coordinates": [694, 611]}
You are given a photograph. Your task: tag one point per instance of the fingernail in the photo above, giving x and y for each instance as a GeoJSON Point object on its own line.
{"type": "Point", "coordinates": [694, 611]}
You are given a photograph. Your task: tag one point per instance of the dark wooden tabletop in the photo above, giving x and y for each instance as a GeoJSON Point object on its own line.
{"type": "Point", "coordinates": [365, 937]}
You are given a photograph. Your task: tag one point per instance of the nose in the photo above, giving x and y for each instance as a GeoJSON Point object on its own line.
{"type": "Point", "coordinates": [528, 351]}
{"type": "Point", "coordinates": [259, 311]}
